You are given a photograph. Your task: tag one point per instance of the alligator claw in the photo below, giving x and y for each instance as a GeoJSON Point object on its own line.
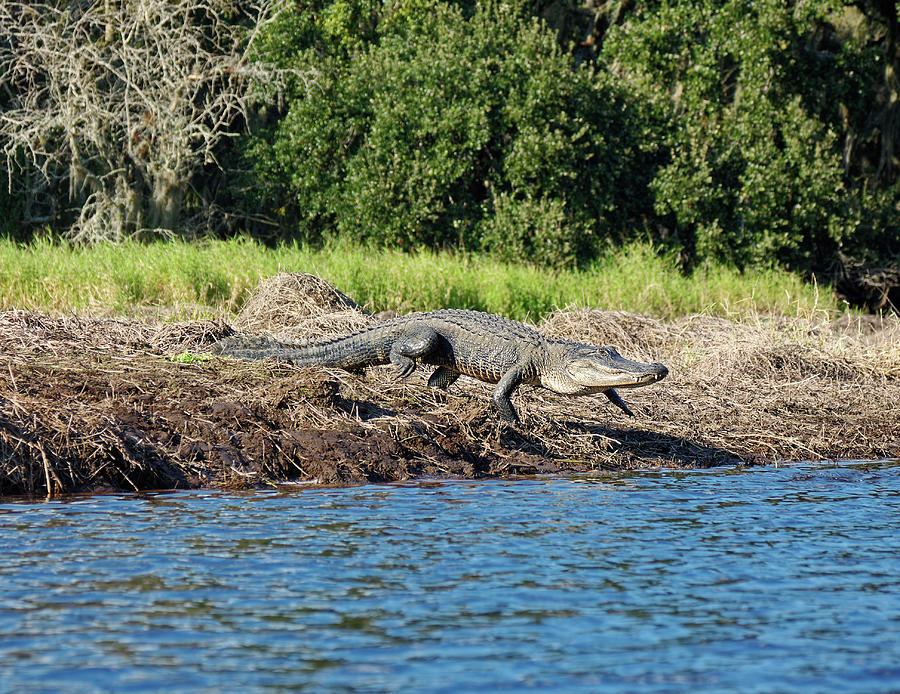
{"type": "Point", "coordinates": [404, 370]}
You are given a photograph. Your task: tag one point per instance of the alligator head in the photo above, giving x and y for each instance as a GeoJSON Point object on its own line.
{"type": "Point", "coordinates": [578, 369]}
{"type": "Point", "coordinates": [598, 368]}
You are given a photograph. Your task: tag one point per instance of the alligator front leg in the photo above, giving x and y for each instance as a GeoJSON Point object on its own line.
{"type": "Point", "coordinates": [616, 400]}
{"type": "Point", "coordinates": [415, 343]}
{"type": "Point", "coordinates": [503, 391]}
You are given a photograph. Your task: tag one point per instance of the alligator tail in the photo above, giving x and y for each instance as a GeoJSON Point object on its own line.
{"type": "Point", "coordinates": [351, 352]}
{"type": "Point", "coordinates": [247, 347]}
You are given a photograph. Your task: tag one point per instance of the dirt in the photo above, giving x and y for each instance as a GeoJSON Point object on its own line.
{"type": "Point", "coordinates": [97, 403]}
{"type": "Point", "coordinates": [75, 422]}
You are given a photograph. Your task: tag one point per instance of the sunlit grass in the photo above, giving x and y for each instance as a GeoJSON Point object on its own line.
{"type": "Point", "coordinates": [214, 278]}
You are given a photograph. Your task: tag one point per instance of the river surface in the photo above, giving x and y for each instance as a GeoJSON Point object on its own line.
{"type": "Point", "coordinates": [777, 579]}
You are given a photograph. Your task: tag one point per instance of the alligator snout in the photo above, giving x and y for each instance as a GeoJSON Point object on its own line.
{"type": "Point", "coordinates": [659, 370]}
{"type": "Point", "coordinates": [656, 372]}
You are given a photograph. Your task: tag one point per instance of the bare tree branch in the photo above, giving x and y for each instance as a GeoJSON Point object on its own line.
{"type": "Point", "coordinates": [119, 103]}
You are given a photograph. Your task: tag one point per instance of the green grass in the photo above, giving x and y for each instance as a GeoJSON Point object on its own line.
{"type": "Point", "coordinates": [190, 280]}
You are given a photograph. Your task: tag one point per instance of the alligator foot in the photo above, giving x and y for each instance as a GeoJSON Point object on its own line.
{"type": "Point", "coordinates": [505, 387]}
{"type": "Point", "coordinates": [507, 412]}
{"type": "Point", "coordinates": [416, 343]}
{"type": "Point", "coordinates": [443, 378]}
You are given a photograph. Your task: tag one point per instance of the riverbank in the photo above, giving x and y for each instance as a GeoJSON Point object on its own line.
{"type": "Point", "coordinates": [91, 403]}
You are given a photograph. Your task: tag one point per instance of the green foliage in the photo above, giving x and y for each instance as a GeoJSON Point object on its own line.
{"type": "Point", "coordinates": [529, 228]}
{"type": "Point", "coordinates": [725, 130]}
{"type": "Point", "coordinates": [443, 130]}
{"type": "Point", "coordinates": [188, 357]}
{"type": "Point", "coordinates": [754, 173]}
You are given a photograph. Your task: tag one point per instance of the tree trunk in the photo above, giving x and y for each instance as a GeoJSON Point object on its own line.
{"type": "Point", "coordinates": [165, 205]}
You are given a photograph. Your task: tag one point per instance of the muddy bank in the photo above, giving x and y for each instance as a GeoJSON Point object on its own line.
{"type": "Point", "coordinates": [98, 403]}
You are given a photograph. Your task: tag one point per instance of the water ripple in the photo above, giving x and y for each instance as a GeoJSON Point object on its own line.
{"type": "Point", "coordinates": [751, 580]}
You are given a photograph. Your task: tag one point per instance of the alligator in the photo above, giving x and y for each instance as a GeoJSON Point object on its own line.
{"type": "Point", "coordinates": [490, 348]}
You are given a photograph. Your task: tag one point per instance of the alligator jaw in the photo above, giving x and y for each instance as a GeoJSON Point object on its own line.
{"type": "Point", "coordinates": [635, 375]}
{"type": "Point", "coordinates": [657, 372]}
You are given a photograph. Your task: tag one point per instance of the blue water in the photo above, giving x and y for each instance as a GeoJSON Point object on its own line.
{"type": "Point", "coordinates": [733, 580]}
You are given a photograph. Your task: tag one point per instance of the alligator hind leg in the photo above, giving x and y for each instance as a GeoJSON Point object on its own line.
{"type": "Point", "coordinates": [414, 343]}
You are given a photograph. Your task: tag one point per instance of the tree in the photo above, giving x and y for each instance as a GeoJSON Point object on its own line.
{"type": "Point", "coordinates": [121, 106]}
{"type": "Point", "coordinates": [770, 115]}
{"type": "Point", "coordinates": [882, 127]}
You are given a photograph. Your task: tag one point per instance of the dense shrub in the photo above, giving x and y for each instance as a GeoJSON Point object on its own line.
{"type": "Point", "coordinates": [754, 133]}
{"type": "Point", "coordinates": [760, 100]}
{"type": "Point", "coordinates": [450, 127]}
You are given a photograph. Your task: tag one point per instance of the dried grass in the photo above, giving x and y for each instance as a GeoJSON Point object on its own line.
{"type": "Point", "coordinates": [299, 306]}
{"type": "Point", "coordinates": [88, 403]}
